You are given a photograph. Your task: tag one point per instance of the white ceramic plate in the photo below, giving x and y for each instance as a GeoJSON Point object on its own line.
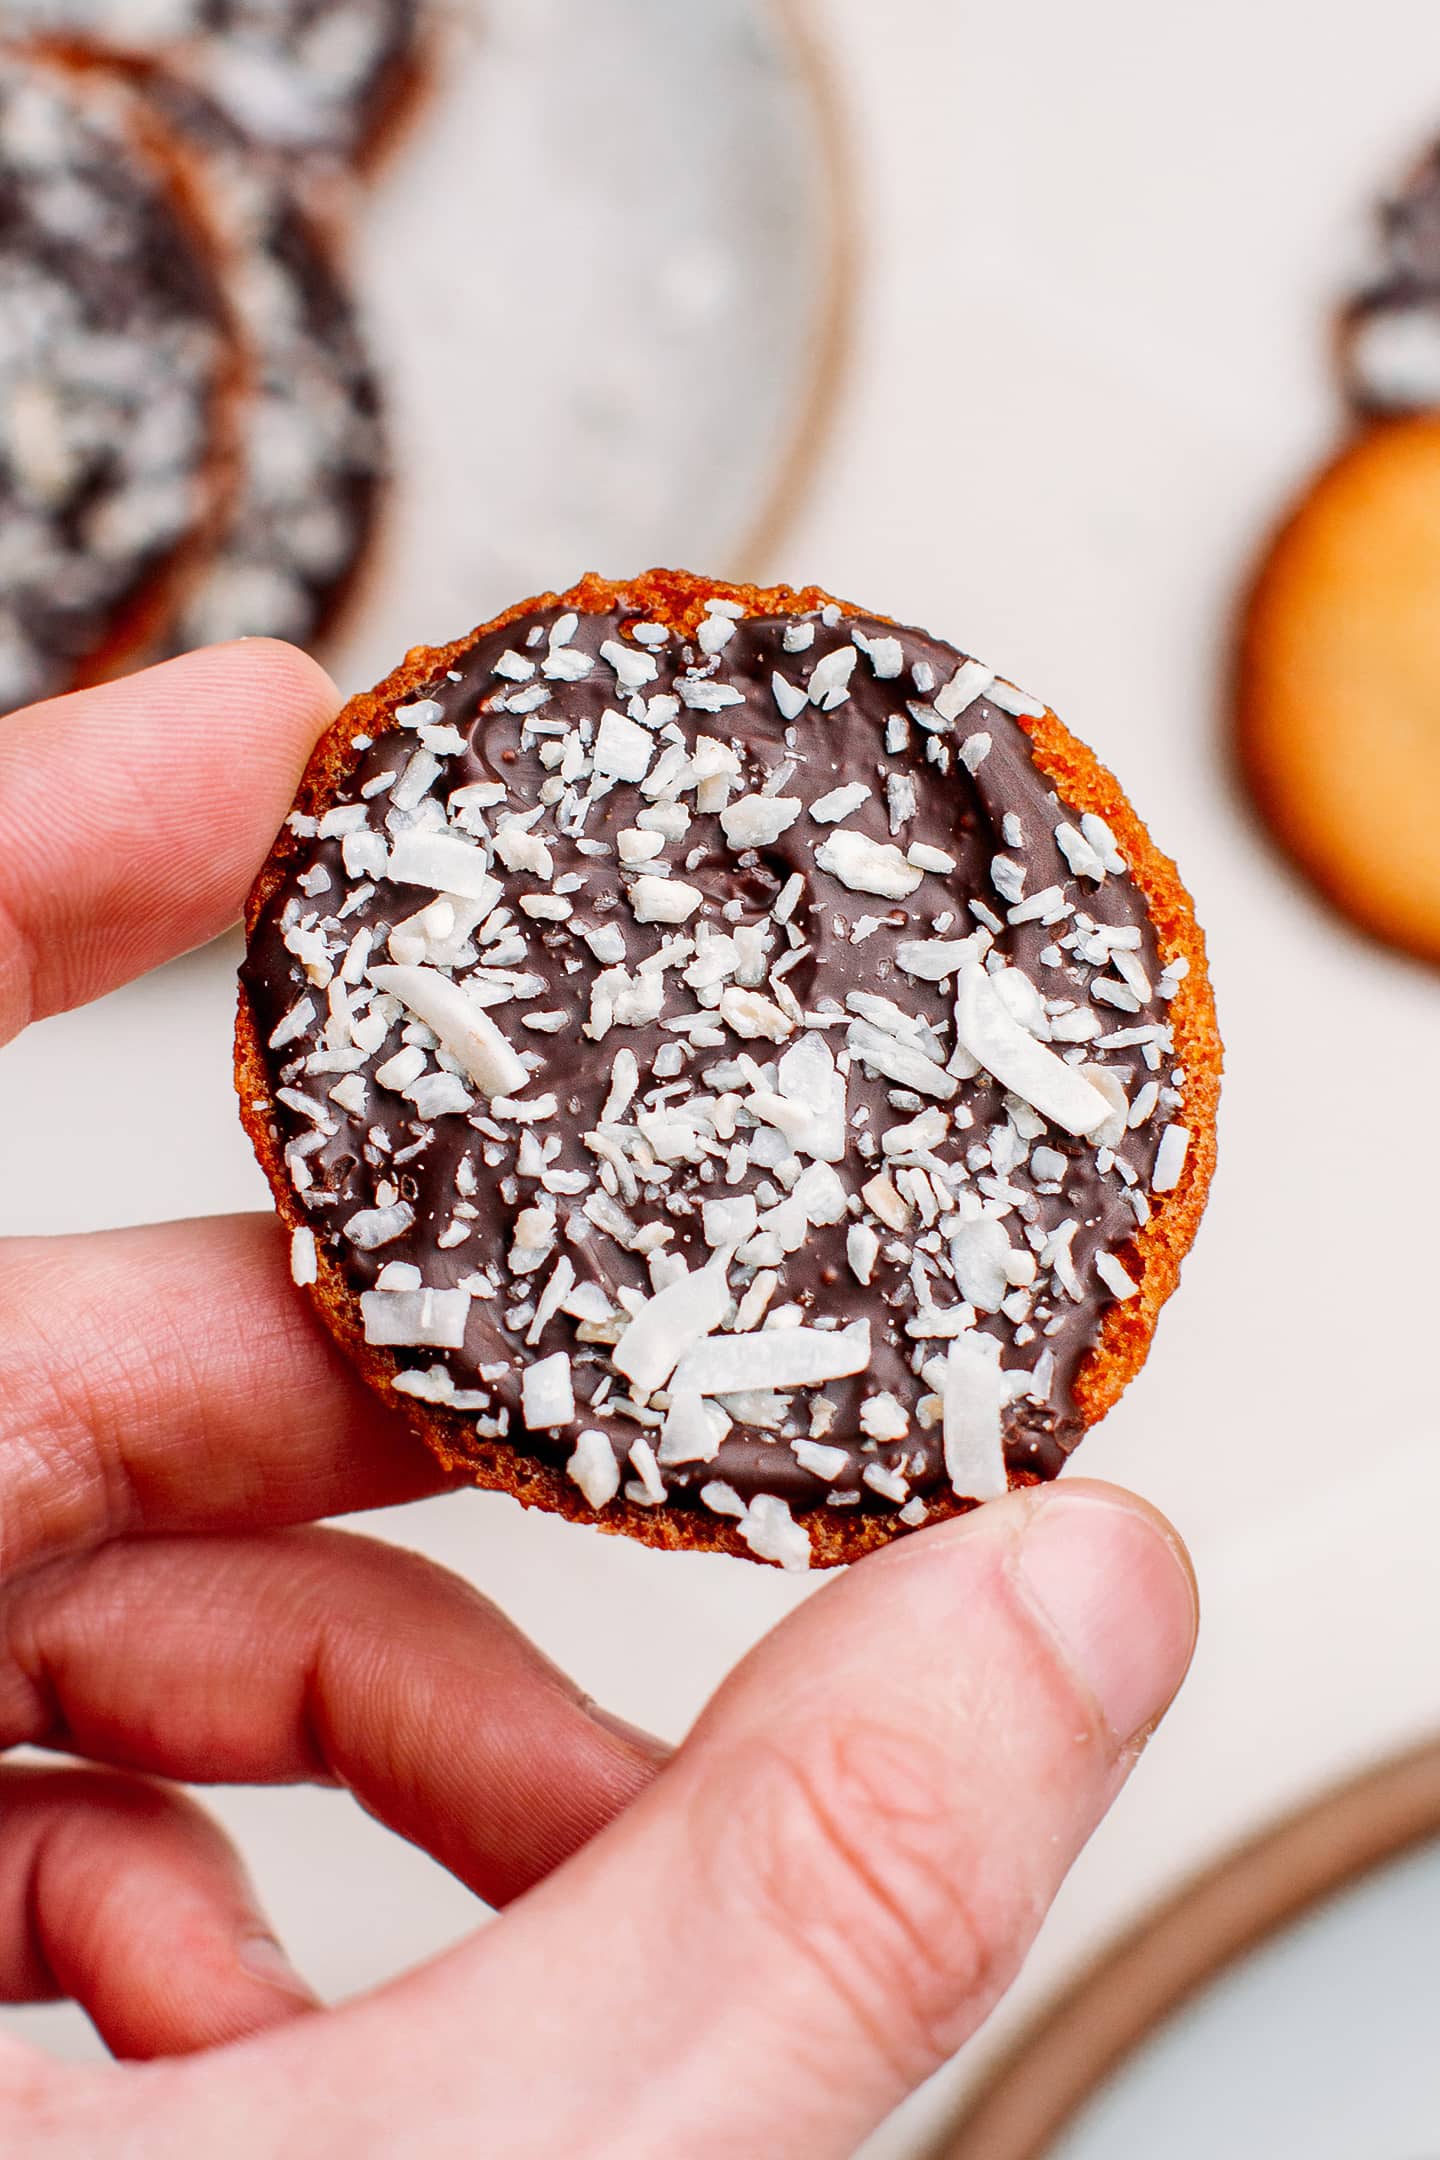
{"type": "Point", "coordinates": [1320, 2045]}
{"type": "Point", "coordinates": [603, 268]}
{"type": "Point", "coordinates": [1284, 2003]}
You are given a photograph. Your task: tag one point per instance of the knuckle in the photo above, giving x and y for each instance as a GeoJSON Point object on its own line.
{"type": "Point", "coordinates": [64, 1400]}
{"type": "Point", "coordinates": [859, 1859]}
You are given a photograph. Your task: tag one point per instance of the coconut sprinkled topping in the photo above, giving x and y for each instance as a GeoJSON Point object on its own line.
{"type": "Point", "coordinates": [734, 1075]}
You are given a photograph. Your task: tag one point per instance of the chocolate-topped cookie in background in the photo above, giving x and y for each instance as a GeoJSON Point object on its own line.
{"type": "Point", "coordinates": [1389, 334]}
{"type": "Point", "coordinates": [310, 454]}
{"type": "Point", "coordinates": [311, 78]}
{"type": "Point", "coordinates": [120, 375]}
{"type": "Point", "coordinates": [733, 1068]}
{"type": "Point", "coordinates": [192, 444]}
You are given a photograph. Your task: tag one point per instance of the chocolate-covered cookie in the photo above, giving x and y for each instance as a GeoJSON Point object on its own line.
{"type": "Point", "coordinates": [309, 456]}
{"type": "Point", "coordinates": [117, 372]}
{"type": "Point", "coordinates": [1390, 333]}
{"type": "Point", "coordinates": [733, 1068]}
{"type": "Point", "coordinates": [312, 77]}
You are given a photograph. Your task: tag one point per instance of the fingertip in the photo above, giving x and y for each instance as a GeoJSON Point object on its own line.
{"type": "Point", "coordinates": [134, 816]}
{"type": "Point", "coordinates": [1113, 1584]}
{"type": "Point", "coordinates": [1108, 1578]}
{"type": "Point", "coordinates": [291, 680]}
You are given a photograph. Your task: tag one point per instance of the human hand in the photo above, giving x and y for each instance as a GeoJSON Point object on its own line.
{"type": "Point", "coordinates": [758, 1946]}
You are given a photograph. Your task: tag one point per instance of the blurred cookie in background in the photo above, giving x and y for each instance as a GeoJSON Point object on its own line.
{"type": "Point", "coordinates": [1389, 335]}
{"type": "Point", "coordinates": [119, 375]}
{"type": "Point", "coordinates": [1338, 683]}
{"type": "Point", "coordinates": [315, 77]}
{"type": "Point", "coordinates": [310, 447]}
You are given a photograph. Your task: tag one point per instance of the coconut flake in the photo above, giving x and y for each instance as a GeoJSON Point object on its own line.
{"type": "Point", "coordinates": [1116, 1278]}
{"type": "Point", "coordinates": [809, 1082]}
{"type": "Point", "coordinates": [722, 1499]}
{"type": "Point", "coordinates": [821, 1461]}
{"type": "Point", "coordinates": [898, 1060]}
{"type": "Point", "coordinates": [988, 1031]}
{"type": "Point", "coordinates": [663, 899]}
{"type": "Point", "coordinates": [729, 1222]}
{"type": "Point", "coordinates": [633, 668]}
{"type": "Point", "coordinates": [547, 1394]}
{"type": "Point", "coordinates": [623, 749]}
{"type": "Point", "coordinates": [374, 1227]}
{"type": "Point", "coordinates": [694, 1430]}
{"type": "Point", "coordinates": [1170, 1158]}
{"type": "Point", "coordinates": [774, 1358]}
{"type": "Point", "coordinates": [936, 959]}
{"type": "Point", "coordinates": [753, 1017]}
{"type": "Point", "coordinates": [304, 1257]}
{"type": "Point", "coordinates": [294, 1023]}
{"type": "Point", "coordinates": [885, 654]}
{"type": "Point", "coordinates": [980, 1255]}
{"type": "Point", "coordinates": [470, 1035]}
{"type": "Point", "coordinates": [839, 803]}
{"type": "Point", "coordinates": [865, 865]}
{"type": "Point", "coordinates": [415, 1318]}
{"type": "Point", "coordinates": [1078, 853]}
{"type": "Point", "coordinates": [759, 820]}
{"type": "Point", "coordinates": [970, 681]}
{"type": "Point", "coordinates": [862, 1249]}
{"type": "Point", "coordinates": [772, 1533]}
{"type": "Point", "coordinates": [444, 862]}
{"type": "Point", "coordinates": [974, 1396]}
{"type": "Point", "coordinates": [830, 678]}
{"type": "Point", "coordinates": [671, 1323]}
{"type": "Point", "coordinates": [594, 1469]}
{"type": "Point", "coordinates": [642, 1455]}
{"type": "Point", "coordinates": [1017, 702]}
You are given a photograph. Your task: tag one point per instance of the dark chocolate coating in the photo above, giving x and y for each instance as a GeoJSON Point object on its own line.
{"type": "Point", "coordinates": [958, 812]}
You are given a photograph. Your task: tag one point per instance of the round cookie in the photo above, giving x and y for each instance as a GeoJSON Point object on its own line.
{"type": "Point", "coordinates": [735, 1070]}
{"type": "Point", "coordinates": [1338, 686]}
{"type": "Point", "coordinates": [313, 77]}
{"type": "Point", "coordinates": [310, 456]}
{"type": "Point", "coordinates": [117, 374]}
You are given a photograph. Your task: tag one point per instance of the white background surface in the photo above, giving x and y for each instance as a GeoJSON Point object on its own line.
{"type": "Point", "coordinates": [1099, 245]}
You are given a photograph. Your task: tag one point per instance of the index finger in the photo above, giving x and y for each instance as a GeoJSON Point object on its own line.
{"type": "Point", "coordinates": [134, 816]}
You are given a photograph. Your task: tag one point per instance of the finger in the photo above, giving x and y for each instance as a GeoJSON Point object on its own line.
{"type": "Point", "coordinates": [134, 816]}
{"type": "Point", "coordinates": [171, 1378]}
{"type": "Point", "coordinates": [313, 1655]}
{"type": "Point", "coordinates": [841, 1871]}
{"type": "Point", "coordinates": [125, 1898]}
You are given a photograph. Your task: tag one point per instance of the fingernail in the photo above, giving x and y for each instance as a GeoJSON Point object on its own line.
{"type": "Point", "coordinates": [262, 1957]}
{"type": "Point", "coordinates": [635, 1736]}
{"type": "Point", "coordinates": [1117, 1594]}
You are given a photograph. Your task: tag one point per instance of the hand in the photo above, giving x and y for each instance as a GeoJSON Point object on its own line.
{"type": "Point", "coordinates": [758, 1946]}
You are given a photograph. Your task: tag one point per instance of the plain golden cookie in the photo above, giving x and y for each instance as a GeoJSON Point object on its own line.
{"type": "Point", "coordinates": [1338, 693]}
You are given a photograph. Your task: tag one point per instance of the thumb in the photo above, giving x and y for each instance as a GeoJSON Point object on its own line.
{"type": "Point", "coordinates": [840, 1872]}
